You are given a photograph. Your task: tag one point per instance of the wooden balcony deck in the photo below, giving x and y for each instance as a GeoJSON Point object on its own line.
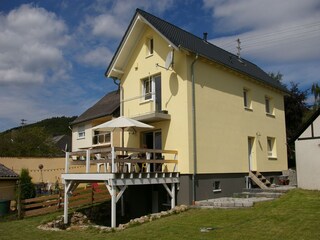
{"type": "Point", "coordinates": [122, 167]}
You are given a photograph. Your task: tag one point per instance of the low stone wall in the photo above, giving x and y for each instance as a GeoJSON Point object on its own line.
{"type": "Point", "coordinates": [80, 221]}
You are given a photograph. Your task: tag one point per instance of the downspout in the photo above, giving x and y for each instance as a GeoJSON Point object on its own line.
{"type": "Point", "coordinates": [120, 88]}
{"type": "Point", "coordinates": [194, 132]}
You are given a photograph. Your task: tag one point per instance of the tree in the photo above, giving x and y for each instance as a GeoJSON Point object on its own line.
{"type": "Point", "coordinates": [27, 189]}
{"type": "Point", "coordinates": [277, 76]}
{"type": "Point", "coordinates": [295, 109]}
{"type": "Point", "coordinates": [27, 142]}
{"type": "Point", "coordinates": [315, 90]}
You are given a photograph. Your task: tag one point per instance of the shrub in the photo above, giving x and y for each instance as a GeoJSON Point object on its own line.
{"type": "Point", "coordinates": [27, 187]}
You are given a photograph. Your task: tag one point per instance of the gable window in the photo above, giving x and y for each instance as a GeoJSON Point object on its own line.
{"type": "Point", "coordinates": [147, 88]}
{"type": "Point", "coordinates": [81, 132]}
{"type": "Point", "coordinates": [149, 47]}
{"type": "Point", "coordinates": [271, 147]}
{"type": "Point", "coordinates": [246, 99]}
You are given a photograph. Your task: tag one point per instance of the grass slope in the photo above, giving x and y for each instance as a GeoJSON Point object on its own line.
{"type": "Point", "coordinates": [293, 216]}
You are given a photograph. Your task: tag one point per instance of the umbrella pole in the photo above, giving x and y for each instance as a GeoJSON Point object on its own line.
{"type": "Point", "coordinates": [122, 139]}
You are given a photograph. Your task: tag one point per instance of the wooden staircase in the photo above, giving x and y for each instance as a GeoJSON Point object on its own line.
{"type": "Point", "coordinates": [259, 179]}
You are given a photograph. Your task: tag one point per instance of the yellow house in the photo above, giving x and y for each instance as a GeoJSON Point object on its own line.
{"type": "Point", "coordinates": [223, 114]}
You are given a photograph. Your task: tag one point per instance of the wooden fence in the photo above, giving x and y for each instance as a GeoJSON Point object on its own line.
{"type": "Point", "coordinates": [52, 203]}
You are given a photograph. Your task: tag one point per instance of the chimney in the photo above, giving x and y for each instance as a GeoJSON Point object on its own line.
{"type": "Point", "coordinates": [205, 36]}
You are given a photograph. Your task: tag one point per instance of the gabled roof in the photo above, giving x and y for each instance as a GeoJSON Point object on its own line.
{"type": "Point", "coordinates": [108, 105]}
{"type": "Point", "coordinates": [305, 126]}
{"type": "Point", "coordinates": [180, 38]}
{"type": "Point", "coordinates": [6, 173]}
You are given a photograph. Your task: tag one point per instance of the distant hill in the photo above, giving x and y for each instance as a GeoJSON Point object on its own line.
{"type": "Point", "coordinates": [37, 139]}
{"type": "Point", "coordinates": [53, 126]}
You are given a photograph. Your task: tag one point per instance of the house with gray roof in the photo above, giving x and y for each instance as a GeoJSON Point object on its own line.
{"type": "Point", "coordinates": [221, 112]}
{"type": "Point", "coordinates": [8, 180]}
{"type": "Point", "coordinates": [218, 121]}
{"type": "Point", "coordinates": [104, 110]}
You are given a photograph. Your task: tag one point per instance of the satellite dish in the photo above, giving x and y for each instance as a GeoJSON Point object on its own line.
{"type": "Point", "coordinates": [169, 60]}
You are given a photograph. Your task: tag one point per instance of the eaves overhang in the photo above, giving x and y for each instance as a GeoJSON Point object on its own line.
{"type": "Point", "coordinates": [127, 45]}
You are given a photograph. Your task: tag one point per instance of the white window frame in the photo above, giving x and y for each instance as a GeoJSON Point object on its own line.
{"type": "Point", "coordinates": [81, 132]}
{"type": "Point", "coordinates": [150, 94]}
{"type": "Point", "coordinates": [271, 148]}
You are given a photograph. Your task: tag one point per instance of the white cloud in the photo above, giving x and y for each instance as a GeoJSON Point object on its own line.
{"type": "Point", "coordinates": [31, 46]}
{"type": "Point", "coordinates": [106, 25]}
{"type": "Point", "coordinates": [98, 57]}
{"type": "Point", "coordinates": [270, 31]}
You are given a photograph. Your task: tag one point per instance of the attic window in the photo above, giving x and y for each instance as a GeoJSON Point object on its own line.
{"type": "Point", "coordinates": [149, 46]}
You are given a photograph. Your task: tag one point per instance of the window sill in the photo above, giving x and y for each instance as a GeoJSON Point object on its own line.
{"type": "Point", "coordinates": [80, 138]}
{"type": "Point", "coordinates": [272, 158]}
{"type": "Point", "coordinates": [217, 190]}
{"type": "Point", "coordinates": [270, 115]}
{"type": "Point", "coordinates": [146, 101]}
{"type": "Point", "coordinates": [248, 109]}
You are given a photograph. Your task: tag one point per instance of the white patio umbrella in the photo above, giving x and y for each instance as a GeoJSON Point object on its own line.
{"type": "Point", "coordinates": [121, 123]}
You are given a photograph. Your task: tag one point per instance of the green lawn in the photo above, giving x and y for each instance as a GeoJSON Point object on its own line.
{"type": "Point", "coordinates": [294, 216]}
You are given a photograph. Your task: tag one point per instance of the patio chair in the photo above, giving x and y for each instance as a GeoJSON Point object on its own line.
{"type": "Point", "coordinates": [146, 166]}
{"type": "Point", "coordinates": [98, 157]}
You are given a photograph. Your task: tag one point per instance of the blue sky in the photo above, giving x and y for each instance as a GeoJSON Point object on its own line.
{"type": "Point", "coordinates": [53, 54]}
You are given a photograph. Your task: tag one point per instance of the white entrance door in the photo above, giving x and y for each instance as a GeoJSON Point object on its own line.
{"type": "Point", "coordinates": [250, 152]}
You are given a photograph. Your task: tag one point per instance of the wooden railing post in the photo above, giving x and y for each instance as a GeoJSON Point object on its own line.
{"type": "Point", "coordinates": [112, 160]}
{"type": "Point", "coordinates": [87, 160]}
{"type": "Point", "coordinates": [66, 170]}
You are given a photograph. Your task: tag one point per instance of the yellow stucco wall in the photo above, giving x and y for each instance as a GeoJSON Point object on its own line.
{"type": "Point", "coordinates": [223, 125]}
{"type": "Point", "coordinates": [174, 94]}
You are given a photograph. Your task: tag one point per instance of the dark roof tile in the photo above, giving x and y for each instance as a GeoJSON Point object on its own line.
{"type": "Point", "coordinates": [108, 105]}
{"type": "Point", "coordinates": [190, 42]}
{"type": "Point", "coordinates": [7, 173]}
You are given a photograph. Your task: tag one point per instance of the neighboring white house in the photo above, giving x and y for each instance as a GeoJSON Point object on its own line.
{"type": "Point", "coordinates": [104, 110]}
{"type": "Point", "coordinates": [307, 145]}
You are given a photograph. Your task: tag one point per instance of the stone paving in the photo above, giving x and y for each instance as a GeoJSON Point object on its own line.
{"type": "Point", "coordinates": [245, 199]}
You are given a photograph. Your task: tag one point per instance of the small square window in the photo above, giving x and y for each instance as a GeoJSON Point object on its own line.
{"type": "Point", "coordinates": [216, 186]}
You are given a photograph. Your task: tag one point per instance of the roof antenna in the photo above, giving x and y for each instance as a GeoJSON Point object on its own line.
{"type": "Point", "coordinates": [239, 49]}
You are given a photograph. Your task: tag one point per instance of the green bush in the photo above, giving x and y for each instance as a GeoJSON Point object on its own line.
{"type": "Point", "coordinates": [27, 187]}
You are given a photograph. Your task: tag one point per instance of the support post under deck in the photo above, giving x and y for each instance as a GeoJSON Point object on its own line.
{"type": "Point", "coordinates": [113, 206]}
{"type": "Point", "coordinates": [66, 202]}
{"type": "Point", "coordinates": [173, 195]}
